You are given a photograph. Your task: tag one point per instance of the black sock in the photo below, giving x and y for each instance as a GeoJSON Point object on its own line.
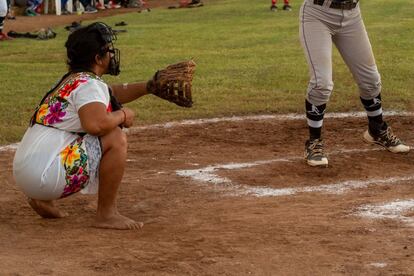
{"type": "Point", "coordinates": [314, 115]}
{"type": "Point", "coordinates": [315, 133]}
{"type": "Point", "coordinates": [374, 111]}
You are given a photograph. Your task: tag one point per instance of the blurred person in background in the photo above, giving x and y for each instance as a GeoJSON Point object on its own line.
{"type": "Point", "coordinates": [33, 7]}
{"type": "Point", "coordinates": [286, 5]}
{"type": "Point", "coordinates": [3, 14]}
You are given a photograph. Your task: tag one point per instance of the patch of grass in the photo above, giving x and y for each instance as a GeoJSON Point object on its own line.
{"type": "Point", "coordinates": [249, 61]}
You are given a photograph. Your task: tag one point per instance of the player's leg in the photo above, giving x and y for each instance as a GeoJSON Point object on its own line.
{"type": "Point", "coordinates": [112, 165]}
{"type": "Point", "coordinates": [354, 45]}
{"type": "Point", "coordinates": [316, 40]}
{"type": "Point", "coordinates": [286, 5]}
{"type": "Point", "coordinates": [273, 7]}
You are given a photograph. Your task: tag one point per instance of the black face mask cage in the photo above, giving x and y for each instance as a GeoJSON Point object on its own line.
{"type": "Point", "coordinates": [106, 32]}
{"type": "Point", "coordinates": [109, 37]}
{"type": "Point", "coordinates": [115, 62]}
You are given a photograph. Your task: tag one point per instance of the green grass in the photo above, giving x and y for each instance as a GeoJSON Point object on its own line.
{"type": "Point", "coordinates": [249, 61]}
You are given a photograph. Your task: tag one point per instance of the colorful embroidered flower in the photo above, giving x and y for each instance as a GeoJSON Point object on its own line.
{"type": "Point", "coordinates": [69, 87]}
{"type": "Point", "coordinates": [70, 154]}
{"type": "Point", "coordinates": [77, 182]}
{"type": "Point", "coordinates": [55, 114]}
{"type": "Point", "coordinates": [74, 159]}
{"type": "Point", "coordinates": [52, 110]}
{"type": "Point", "coordinates": [41, 112]}
{"type": "Point", "coordinates": [70, 189]}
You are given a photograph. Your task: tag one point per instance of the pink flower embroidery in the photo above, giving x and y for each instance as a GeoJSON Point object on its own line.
{"type": "Point", "coordinates": [76, 184]}
{"type": "Point", "coordinates": [55, 114]}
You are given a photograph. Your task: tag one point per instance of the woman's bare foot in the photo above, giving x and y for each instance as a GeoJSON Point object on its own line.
{"type": "Point", "coordinates": [119, 222]}
{"type": "Point", "coordinates": [46, 208]}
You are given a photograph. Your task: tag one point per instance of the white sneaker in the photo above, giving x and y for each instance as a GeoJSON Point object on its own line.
{"type": "Point", "coordinates": [314, 153]}
{"type": "Point", "coordinates": [387, 140]}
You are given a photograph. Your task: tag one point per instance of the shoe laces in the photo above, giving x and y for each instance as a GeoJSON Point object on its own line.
{"type": "Point", "coordinates": [388, 136]}
{"type": "Point", "coordinates": [316, 147]}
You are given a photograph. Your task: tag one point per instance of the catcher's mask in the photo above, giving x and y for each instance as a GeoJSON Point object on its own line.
{"type": "Point", "coordinates": [108, 35]}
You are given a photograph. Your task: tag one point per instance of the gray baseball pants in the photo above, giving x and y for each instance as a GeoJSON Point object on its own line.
{"type": "Point", "coordinates": [320, 26]}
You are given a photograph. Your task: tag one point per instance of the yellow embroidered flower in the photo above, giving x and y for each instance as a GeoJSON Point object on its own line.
{"type": "Point", "coordinates": [70, 154]}
{"type": "Point", "coordinates": [42, 112]}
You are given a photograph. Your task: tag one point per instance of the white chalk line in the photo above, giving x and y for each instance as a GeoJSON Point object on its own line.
{"type": "Point", "coordinates": [395, 210]}
{"type": "Point", "coordinates": [10, 147]}
{"type": "Point", "coordinates": [378, 265]}
{"type": "Point", "coordinates": [280, 117]}
{"type": "Point", "coordinates": [208, 175]}
{"type": "Point", "coordinates": [391, 210]}
{"type": "Point", "coordinates": [341, 187]}
{"type": "Point", "coordinates": [287, 117]}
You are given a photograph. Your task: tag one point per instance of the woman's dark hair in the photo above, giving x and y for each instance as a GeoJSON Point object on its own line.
{"type": "Point", "coordinates": [82, 46]}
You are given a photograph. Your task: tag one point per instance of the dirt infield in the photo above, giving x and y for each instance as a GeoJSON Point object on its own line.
{"type": "Point", "coordinates": [231, 197]}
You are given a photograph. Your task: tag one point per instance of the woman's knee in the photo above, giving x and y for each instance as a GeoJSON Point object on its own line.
{"type": "Point", "coordinates": [116, 139]}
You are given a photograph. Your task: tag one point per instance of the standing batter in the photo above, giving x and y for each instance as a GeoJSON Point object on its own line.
{"type": "Point", "coordinates": [323, 22]}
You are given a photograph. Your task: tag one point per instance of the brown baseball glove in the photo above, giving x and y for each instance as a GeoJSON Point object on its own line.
{"type": "Point", "coordinates": [173, 83]}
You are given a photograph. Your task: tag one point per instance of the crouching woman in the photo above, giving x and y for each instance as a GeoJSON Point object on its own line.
{"type": "Point", "coordinates": [74, 142]}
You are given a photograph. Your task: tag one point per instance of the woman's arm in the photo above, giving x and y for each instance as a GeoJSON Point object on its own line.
{"type": "Point", "coordinates": [97, 121]}
{"type": "Point", "coordinates": [129, 92]}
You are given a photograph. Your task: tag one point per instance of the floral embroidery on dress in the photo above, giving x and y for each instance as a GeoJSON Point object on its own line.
{"type": "Point", "coordinates": [52, 110]}
{"type": "Point", "coordinates": [74, 160]}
